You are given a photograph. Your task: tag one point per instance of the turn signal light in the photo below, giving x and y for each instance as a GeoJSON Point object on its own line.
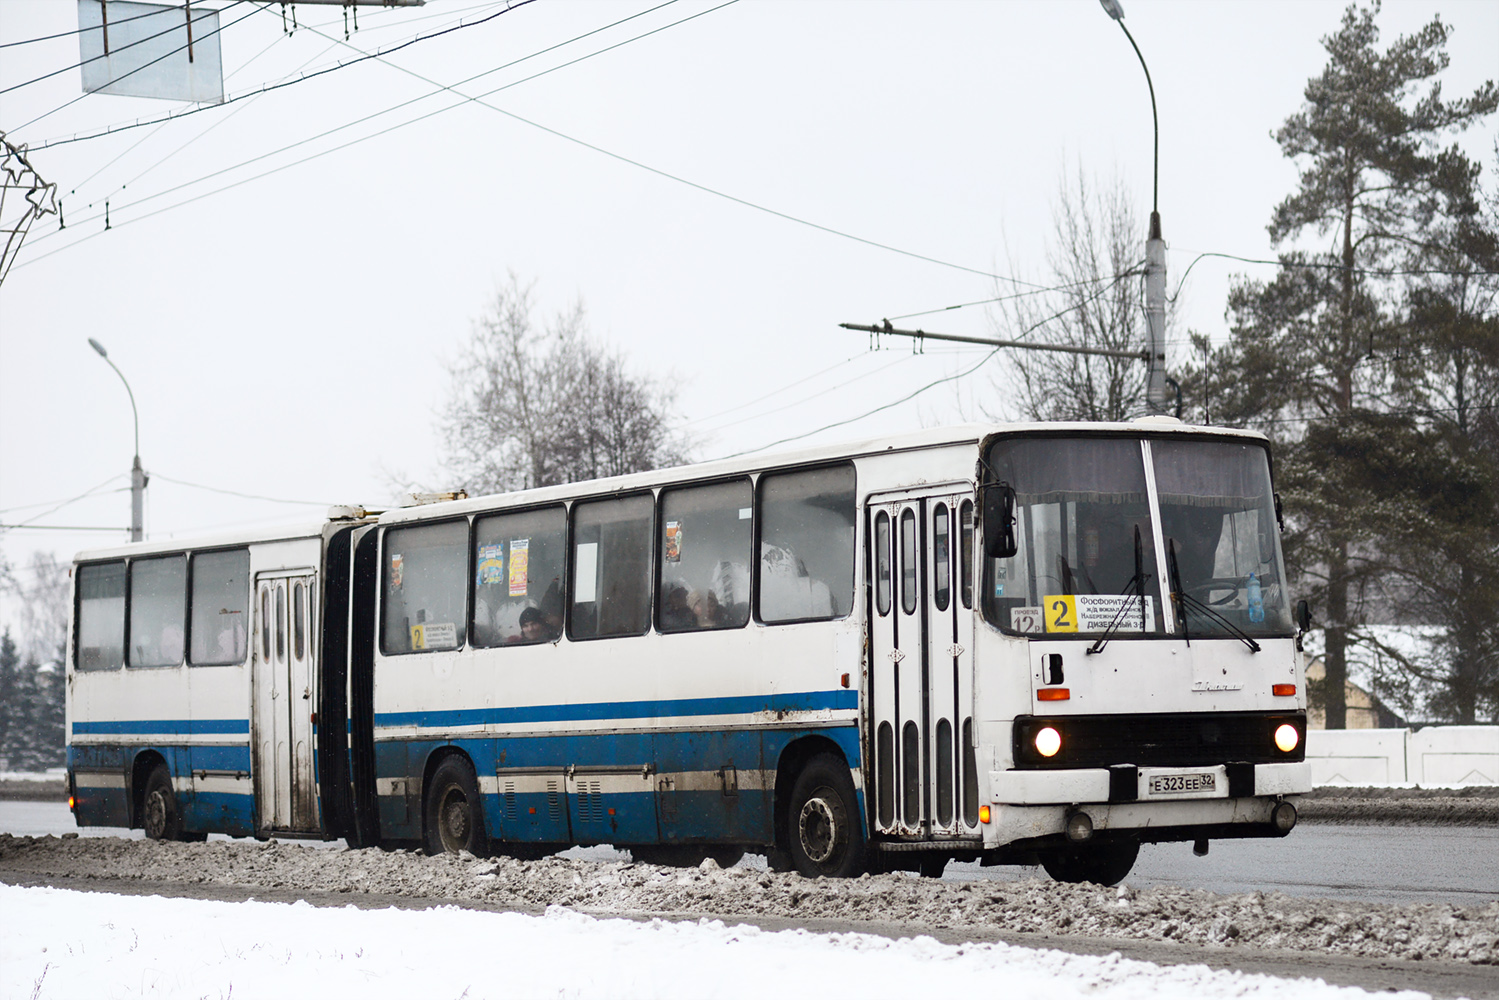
{"type": "Point", "coordinates": [1283, 690]}
{"type": "Point", "coordinates": [1286, 737]}
{"type": "Point", "coordinates": [1053, 694]}
{"type": "Point", "coordinates": [983, 814]}
{"type": "Point", "coordinates": [73, 804]}
{"type": "Point", "coordinates": [1048, 742]}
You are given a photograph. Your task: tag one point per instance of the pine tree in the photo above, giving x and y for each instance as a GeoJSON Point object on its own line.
{"type": "Point", "coordinates": [1312, 356]}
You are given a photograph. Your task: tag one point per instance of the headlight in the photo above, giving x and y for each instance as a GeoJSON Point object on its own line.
{"type": "Point", "coordinates": [1286, 737]}
{"type": "Point", "coordinates": [1048, 742]}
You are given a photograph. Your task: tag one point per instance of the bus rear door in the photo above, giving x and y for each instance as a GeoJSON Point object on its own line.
{"type": "Point", "coordinates": [285, 792]}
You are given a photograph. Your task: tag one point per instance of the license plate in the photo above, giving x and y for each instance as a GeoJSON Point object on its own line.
{"type": "Point", "coordinates": [1167, 784]}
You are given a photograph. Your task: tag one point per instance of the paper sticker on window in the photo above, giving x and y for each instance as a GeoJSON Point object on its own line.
{"type": "Point", "coordinates": [491, 563]}
{"type": "Point", "coordinates": [434, 635]}
{"type": "Point", "coordinates": [1061, 612]}
{"type": "Point", "coordinates": [673, 541]}
{"type": "Point", "coordinates": [744, 513]}
{"type": "Point", "coordinates": [395, 570]}
{"type": "Point", "coordinates": [586, 573]}
{"type": "Point", "coordinates": [520, 561]}
{"type": "Point", "coordinates": [1026, 619]}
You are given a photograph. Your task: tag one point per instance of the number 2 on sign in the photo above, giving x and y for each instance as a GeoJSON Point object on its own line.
{"type": "Point", "coordinates": [1061, 613]}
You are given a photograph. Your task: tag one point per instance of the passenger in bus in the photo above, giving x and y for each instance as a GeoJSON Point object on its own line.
{"type": "Point", "coordinates": [676, 612]}
{"type": "Point", "coordinates": [533, 627]}
{"type": "Point", "coordinates": [706, 611]}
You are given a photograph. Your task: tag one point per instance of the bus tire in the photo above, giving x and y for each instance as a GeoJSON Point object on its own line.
{"type": "Point", "coordinates": [1106, 864]}
{"type": "Point", "coordinates": [160, 817]}
{"type": "Point", "coordinates": [454, 812]}
{"type": "Point", "coordinates": [823, 830]}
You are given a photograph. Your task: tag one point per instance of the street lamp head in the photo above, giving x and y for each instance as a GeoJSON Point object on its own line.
{"type": "Point", "coordinates": [98, 347]}
{"type": "Point", "coordinates": [1112, 8]}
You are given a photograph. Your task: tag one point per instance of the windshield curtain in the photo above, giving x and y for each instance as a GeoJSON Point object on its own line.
{"type": "Point", "coordinates": [1218, 516]}
{"type": "Point", "coordinates": [1080, 503]}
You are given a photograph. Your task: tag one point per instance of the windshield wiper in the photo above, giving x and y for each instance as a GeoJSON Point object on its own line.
{"type": "Point", "coordinates": [1185, 601]}
{"type": "Point", "coordinates": [1137, 587]}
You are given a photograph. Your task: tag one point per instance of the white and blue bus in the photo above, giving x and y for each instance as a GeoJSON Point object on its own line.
{"type": "Point", "coordinates": [1006, 643]}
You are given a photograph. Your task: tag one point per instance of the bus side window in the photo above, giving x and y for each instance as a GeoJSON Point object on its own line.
{"type": "Point", "coordinates": [101, 616]}
{"type": "Point", "coordinates": [425, 598]}
{"type": "Point", "coordinates": [518, 561]}
{"type": "Point", "coordinates": [965, 552]}
{"type": "Point", "coordinates": [882, 563]}
{"type": "Point", "coordinates": [158, 611]}
{"type": "Point", "coordinates": [611, 567]}
{"type": "Point", "coordinates": [220, 608]}
{"type": "Point", "coordinates": [806, 568]}
{"type": "Point", "coordinates": [705, 557]}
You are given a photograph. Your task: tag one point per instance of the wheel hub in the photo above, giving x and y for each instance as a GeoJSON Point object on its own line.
{"type": "Point", "coordinates": [454, 822]}
{"type": "Point", "coordinates": [820, 829]}
{"type": "Point", "coordinates": [155, 820]}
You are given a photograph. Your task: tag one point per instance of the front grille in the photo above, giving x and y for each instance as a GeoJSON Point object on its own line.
{"type": "Point", "coordinates": [1159, 740]}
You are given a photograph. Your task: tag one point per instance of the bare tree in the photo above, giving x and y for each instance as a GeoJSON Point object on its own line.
{"type": "Point", "coordinates": [40, 590]}
{"type": "Point", "coordinates": [1095, 263]}
{"type": "Point", "coordinates": [540, 405]}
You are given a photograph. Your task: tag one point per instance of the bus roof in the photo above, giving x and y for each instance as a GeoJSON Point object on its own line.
{"type": "Point", "coordinates": [937, 437]}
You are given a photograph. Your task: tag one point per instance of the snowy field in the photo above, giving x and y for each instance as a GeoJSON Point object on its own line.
{"type": "Point", "coordinates": [63, 944]}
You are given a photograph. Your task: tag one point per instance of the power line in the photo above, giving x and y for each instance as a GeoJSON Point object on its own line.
{"type": "Point", "coordinates": [79, 31]}
{"type": "Point", "coordinates": [799, 402]}
{"type": "Point", "coordinates": [339, 128]}
{"type": "Point", "coordinates": [1378, 272]}
{"type": "Point", "coordinates": [123, 76]}
{"type": "Point", "coordinates": [82, 496]}
{"type": "Point", "coordinates": [379, 54]}
{"type": "Point", "coordinates": [236, 493]}
{"type": "Point", "coordinates": [1019, 295]}
{"type": "Point", "coordinates": [933, 384]}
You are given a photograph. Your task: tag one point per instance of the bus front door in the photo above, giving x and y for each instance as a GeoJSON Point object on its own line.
{"type": "Point", "coordinates": [921, 664]}
{"type": "Point", "coordinates": [285, 646]}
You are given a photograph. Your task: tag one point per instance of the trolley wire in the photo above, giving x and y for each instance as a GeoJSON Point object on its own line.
{"type": "Point", "coordinates": [123, 76]}
{"type": "Point", "coordinates": [364, 57]}
{"type": "Point", "coordinates": [237, 493]}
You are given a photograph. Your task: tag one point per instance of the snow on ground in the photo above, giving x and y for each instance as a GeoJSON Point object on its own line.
{"type": "Point", "coordinates": [61, 943]}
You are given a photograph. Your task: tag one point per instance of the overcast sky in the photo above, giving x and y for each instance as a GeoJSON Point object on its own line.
{"type": "Point", "coordinates": [288, 336]}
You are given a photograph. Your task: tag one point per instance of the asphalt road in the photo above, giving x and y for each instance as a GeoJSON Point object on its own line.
{"type": "Point", "coordinates": [1399, 864]}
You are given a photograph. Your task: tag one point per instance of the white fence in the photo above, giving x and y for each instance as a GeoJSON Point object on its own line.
{"type": "Point", "coordinates": [1434, 756]}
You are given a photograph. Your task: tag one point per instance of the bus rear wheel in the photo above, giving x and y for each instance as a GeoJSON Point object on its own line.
{"type": "Point", "coordinates": [823, 832]}
{"type": "Point", "coordinates": [1106, 864]}
{"type": "Point", "coordinates": [454, 811]}
{"type": "Point", "coordinates": [159, 814]}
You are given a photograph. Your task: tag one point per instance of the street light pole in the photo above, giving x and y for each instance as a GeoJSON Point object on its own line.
{"type": "Point", "coordinates": [1156, 398]}
{"type": "Point", "coordinates": [137, 474]}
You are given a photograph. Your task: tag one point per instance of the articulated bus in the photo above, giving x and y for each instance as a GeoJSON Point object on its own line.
{"type": "Point", "coordinates": [1029, 643]}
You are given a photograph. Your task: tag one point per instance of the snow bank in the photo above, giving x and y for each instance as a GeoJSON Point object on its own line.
{"type": "Point", "coordinates": [59, 943]}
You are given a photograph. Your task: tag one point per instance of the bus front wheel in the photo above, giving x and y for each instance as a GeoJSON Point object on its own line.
{"type": "Point", "coordinates": [1106, 864]}
{"type": "Point", "coordinates": [823, 830]}
{"type": "Point", "coordinates": [159, 814]}
{"type": "Point", "coordinates": [454, 812]}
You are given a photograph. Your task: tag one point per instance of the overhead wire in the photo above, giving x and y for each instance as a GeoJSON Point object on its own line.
{"type": "Point", "coordinates": [237, 493]}
{"type": "Point", "coordinates": [1381, 272]}
{"type": "Point", "coordinates": [339, 128]}
{"type": "Point", "coordinates": [365, 57]}
{"type": "Point", "coordinates": [217, 31]}
{"type": "Point", "coordinates": [799, 402]}
{"type": "Point", "coordinates": [930, 385]}
{"type": "Point", "coordinates": [82, 496]}
{"type": "Point", "coordinates": [573, 139]}
{"type": "Point", "coordinates": [78, 31]}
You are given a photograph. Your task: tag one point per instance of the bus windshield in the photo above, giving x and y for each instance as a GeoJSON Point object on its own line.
{"type": "Point", "coordinates": [1091, 538]}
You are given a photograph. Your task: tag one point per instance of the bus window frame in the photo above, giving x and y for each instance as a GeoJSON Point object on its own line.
{"type": "Point", "coordinates": [572, 557]}
{"type": "Point", "coordinates": [759, 516]}
{"type": "Point", "coordinates": [659, 544]}
{"type": "Point", "coordinates": [468, 558]}
{"type": "Point", "coordinates": [130, 562]}
{"type": "Point", "coordinates": [249, 610]}
{"type": "Point", "coordinates": [77, 623]}
{"type": "Point", "coordinates": [473, 541]}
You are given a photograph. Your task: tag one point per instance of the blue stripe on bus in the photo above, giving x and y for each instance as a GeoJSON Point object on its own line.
{"type": "Point", "coordinates": [806, 701]}
{"type": "Point", "coordinates": [164, 727]}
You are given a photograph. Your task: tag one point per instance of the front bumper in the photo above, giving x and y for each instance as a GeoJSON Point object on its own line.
{"type": "Point", "coordinates": [1033, 804]}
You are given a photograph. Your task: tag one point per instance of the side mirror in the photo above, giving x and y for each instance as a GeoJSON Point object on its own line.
{"type": "Point", "coordinates": [1303, 615]}
{"type": "Point", "coordinates": [999, 521]}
